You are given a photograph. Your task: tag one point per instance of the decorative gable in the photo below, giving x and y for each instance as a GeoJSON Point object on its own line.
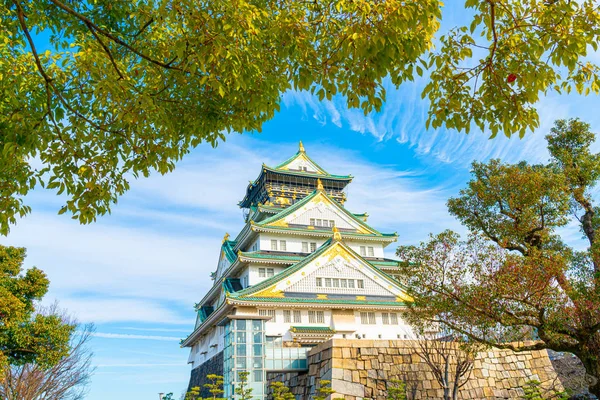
{"type": "Point", "coordinates": [333, 263]}
{"type": "Point", "coordinates": [319, 210]}
{"type": "Point", "coordinates": [303, 163]}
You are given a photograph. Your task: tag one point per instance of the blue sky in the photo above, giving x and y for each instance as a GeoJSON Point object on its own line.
{"type": "Point", "coordinates": [138, 272]}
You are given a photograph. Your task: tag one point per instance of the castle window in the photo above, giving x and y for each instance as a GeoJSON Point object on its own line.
{"type": "Point", "coordinates": [319, 282]}
{"type": "Point", "coordinates": [270, 272]}
{"type": "Point", "coordinates": [336, 282]}
{"type": "Point", "coordinates": [267, 313]}
{"type": "Point", "coordinates": [297, 316]}
{"type": "Point", "coordinates": [363, 251]}
{"type": "Point", "coordinates": [371, 252]}
{"type": "Point", "coordinates": [385, 317]}
{"type": "Point", "coordinates": [351, 283]}
{"type": "Point", "coordinates": [313, 247]}
{"type": "Point", "coordinates": [360, 284]}
{"type": "Point", "coordinates": [316, 317]}
{"type": "Point", "coordinates": [305, 247]}
{"type": "Point", "coordinates": [282, 245]}
{"type": "Point", "coordinates": [331, 223]}
{"type": "Point", "coordinates": [367, 318]}
{"type": "Point", "coordinates": [312, 221]}
{"type": "Point", "coordinates": [262, 272]}
{"type": "Point", "coordinates": [287, 316]}
{"type": "Point", "coordinates": [319, 222]}
{"type": "Point", "coordinates": [327, 282]}
{"type": "Point", "coordinates": [344, 283]}
{"type": "Point", "coordinates": [273, 244]}
{"type": "Point", "coordinates": [394, 318]}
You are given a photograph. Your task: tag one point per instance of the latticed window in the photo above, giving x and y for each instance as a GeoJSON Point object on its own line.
{"type": "Point", "coordinates": [319, 282]}
{"type": "Point", "coordinates": [287, 316]}
{"type": "Point", "coordinates": [297, 317]}
{"type": "Point", "coordinates": [312, 221]}
{"type": "Point", "coordinates": [371, 252]}
{"type": "Point", "coordinates": [313, 247]}
{"type": "Point", "coordinates": [320, 317]}
{"type": "Point", "coordinates": [262, 272]}
{"type": "Point", "coordinates": [316, 317]}
{"type": "Point", "coordinates": [360, 284]}
{"type": "Point", "coordinates": [367, 318]}
{"type": "Point", "coordinates": [270, 272]}
{"type": "Point", "coordinates": [267, 313]}
{"type": "Point", "coordinates": [385, 317]}
{"type": "Point", "coordinates": [363, 251]}
{"type": "Point", "coordinates": [394, 318]}
{"type": "Point", "coordinates": [282, 245]}
{"type": "Point", "coordinates": [305, 247]}
{"type": "Point", "coordinates": [273, 244]}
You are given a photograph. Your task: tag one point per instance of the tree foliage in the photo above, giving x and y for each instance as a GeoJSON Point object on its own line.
{"type": "Point", "coordinates": [215, 386]}
{"type": "Point", "coordinates": [66, 380]}
{"type": "Point", "coordinates": [514, 278]}
{"type": "Point", "coordinates": [27, 337]}
{"type": "Point", "coordinates": [125, 88]}
{"type": "Point", "coordinates": [242, 390]}
{"type": "Point", "coordinates": [281, 392]}
{"type": "Point", "coordinates": [324, 390]}
{"type": "Point", "coordinates": [396, 389]}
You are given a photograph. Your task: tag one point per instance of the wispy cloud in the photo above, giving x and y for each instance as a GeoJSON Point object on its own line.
{"type": "Point", "coordinates": [134, 337]}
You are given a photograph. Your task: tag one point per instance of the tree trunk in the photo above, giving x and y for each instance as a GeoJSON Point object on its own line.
{"type": "Point", "coordinates": [590, 357]}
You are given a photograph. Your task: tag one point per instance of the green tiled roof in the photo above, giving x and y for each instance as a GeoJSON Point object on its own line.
{"type": "Point", "coordinates": [292, 269]}
{"type": "Point", "coordinates": [309, 174]}
{"type": "Point", "coordinates": [227, 247]}
{"type": "Point", "coordinates": [328, 232]}
{"type": "Point", "coordinates": [261, 255]}
{"type": "Point", "coordinates": [289, 210]}
{"type": "Point", "coordinates": [318, 301]}
{"type": "Point", "coordinates": [312, 329]}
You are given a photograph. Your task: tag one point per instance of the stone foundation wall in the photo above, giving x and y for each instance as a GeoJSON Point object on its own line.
{"type": "Point", "coordinates": [198, 376]}
{"type": "Point", "coordinates": [362, 369]}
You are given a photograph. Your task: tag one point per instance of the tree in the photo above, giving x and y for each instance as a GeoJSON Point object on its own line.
{"type": "Point", "coordinates": [281, 392]}
{"type": "Point", "coordinates": [451, 362]}
{"type": "Point", "coordinates": [193, 393]}
{"type": "Point", "coordinates": [396, 389]}
{"type": "Point", "coordinates": [514, 278]}
{"type": "Point", "coordinates": [324, 390]}
{"type": "Point", "coordinates": [242, 389]}
{"type": "Point", "coordinates": [124, 88]}
{"type": "Point", "coordinates": [532, 391]}
{"type": "Point", "coordinates": [215, 387]}
{"type": "Point", "coordinates": [65, 380]}
{"type": "Point", "coordinates": [27, 337]}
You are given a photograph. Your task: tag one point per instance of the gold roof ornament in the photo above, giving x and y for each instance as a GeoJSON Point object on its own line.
{"type": "Point", "coordinates": [226, 237]}
{"type": "Point", "coordinates": [301, 147]}
{"type": "Point", "coordinates": [336, 234]}
{"type": "Point", "coordinates": [320, 184]}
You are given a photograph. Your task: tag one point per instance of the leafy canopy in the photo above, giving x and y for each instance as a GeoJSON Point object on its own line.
{"type": "Point", "coordinates": [514, 278]}
{"type": "Point", "coordinates": [27, 337]}
{"type": "Point", "coordinates": [125, 88]}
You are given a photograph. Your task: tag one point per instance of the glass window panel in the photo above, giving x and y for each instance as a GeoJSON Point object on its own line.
{"type": "Point", "coordinates": [372, 318]}
{"type": "Point", "coordinates": [241, 337]}
{"type": "Point", "coordinates": [262, 272]}
{"type": "Point", "coordinates": [371, 252]}
{"type": "Point", "coordinates": [273, 244]}
{"type": "Point", "coordinates": [282, 245]}
{"type": "Point", "coordinates": [258, 349]}
{"type": "Point", "coordinates": [241, 324]}
{"type": "Point", "coordinates": [336, 282]}
{"type": "Point", "coordinates": [297, 316]}
{"type": "Point", "coordinates": [270, 272]}
{"type": "Point", "coordinates": [313, 247]}
{"type": "Point", "coordinates": [319, 282]}
{"type": "Point", "coordinates": [351, 283]}
{"type": "Point", "coordinates": [311, 317]}
{"type": "Point", "coordinates": [344, 283]}
{"type": "Point", "coordinates": [257, 363]}
{"type": "Point", "coordinates": [327, 282]}
{"type": "Point", "coordinates": [257, 325]}
{"type": "Point", "coordinates": [394, 318]}
{"type": "Point", "coordinates": [360, 284]}
{"type": "Point", "coordinates": [258, 377]}
{"type": "Point", "coordinates": [258, 337]}
{"type": "Point", "coordinates": [363, 251]}
{"type": "Point", "coordinates": [320, 317]}
{"type": "Point", "coordinates": [241, 350]}
{"type": "Point", "coordinates": [385, 318]}
{"type": "Point", "coordinates": [240, 362]}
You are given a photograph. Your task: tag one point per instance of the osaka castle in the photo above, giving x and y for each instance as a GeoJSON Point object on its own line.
{"type": "Point", "coordinates": [303, 270]}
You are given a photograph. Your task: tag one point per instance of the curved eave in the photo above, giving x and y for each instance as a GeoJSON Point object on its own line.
{"type": "Point", "coordinates": [207, 323]}
{"type": "Point", "coordinates": [317, 303]}
{"type": "Point", "coordinates": [324, 233]}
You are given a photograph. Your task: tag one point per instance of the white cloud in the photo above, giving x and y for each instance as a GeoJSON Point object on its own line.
{"type": "Point", "coordinates": [136, 337]}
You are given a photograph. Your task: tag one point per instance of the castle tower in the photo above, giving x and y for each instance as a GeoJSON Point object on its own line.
{"type": "Point", "coordinates": [303, 270]}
